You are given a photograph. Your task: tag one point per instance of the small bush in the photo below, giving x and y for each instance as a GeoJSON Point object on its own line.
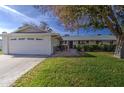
{"type": "Point", "coordinates": [78, 47]}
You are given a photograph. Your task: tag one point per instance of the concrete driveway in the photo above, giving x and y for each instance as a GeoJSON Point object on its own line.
{"type": "Point", "coordinates": [13, 66]}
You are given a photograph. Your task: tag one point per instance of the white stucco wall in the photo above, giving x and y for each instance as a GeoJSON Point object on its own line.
{"type": "Point", "coordinates": [54, 42]}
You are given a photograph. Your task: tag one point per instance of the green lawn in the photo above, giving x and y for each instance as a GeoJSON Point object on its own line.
{"type": "Point", "coordinates": [95, 69]}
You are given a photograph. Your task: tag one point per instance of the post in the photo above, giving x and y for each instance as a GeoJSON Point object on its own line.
{"type": "Point", "coordinates": [5, 45]}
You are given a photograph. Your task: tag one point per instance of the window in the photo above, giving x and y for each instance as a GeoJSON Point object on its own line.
{"type": "Point", "coordinates": [30, 38]}
{"type": "Point", "coordinates": [65, 42]}
{"type": "Point", "coordinates": [87, 42]}
{"type": "Point", "coordinates": [111, 42]}
{"type": "Point", "coordinates": [61, 42]}
{"type": "Point", "coordinates": [78, 42]}
{"type": "Point", "coordinates": [39, 39]}
{"type": "Point", "coordinates": [98, 42]}
{"type": "Point", "coordinates": [21, 38]}
{"type": "Point", "coordinates": [82, 42]}
{"type": "Point", "coordinates": [13, 39]}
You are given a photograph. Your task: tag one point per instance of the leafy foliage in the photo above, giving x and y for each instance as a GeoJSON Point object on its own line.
{"type": "Point", "coordinates": [75, 17]}
{"type": "Point", "coordinates": [101, 47]}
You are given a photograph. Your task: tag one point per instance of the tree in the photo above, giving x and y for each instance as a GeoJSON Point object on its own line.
{"type": "Point", "coordinates": [97, 17]}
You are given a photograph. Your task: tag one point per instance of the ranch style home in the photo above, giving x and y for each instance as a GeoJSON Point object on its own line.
{"type": "Point", "coordinates": [29, 40]}
{"type": "Point", "coordinates": [72, 41]}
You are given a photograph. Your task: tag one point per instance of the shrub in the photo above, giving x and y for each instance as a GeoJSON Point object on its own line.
{"type": "Point", "coordinates": [86, 48]}
{"type": "Point", "coordinates": [79, 47]}
{"type": "Point", "coordinates": [101, 47]}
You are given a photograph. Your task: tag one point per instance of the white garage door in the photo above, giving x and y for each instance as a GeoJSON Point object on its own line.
{"type": "Point", "coordinates": [29, 46]}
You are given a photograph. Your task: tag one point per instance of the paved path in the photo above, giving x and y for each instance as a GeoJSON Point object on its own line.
{"type": "Point", "coordinates": [12, 67]}
{"type": "Point", "coordinates": [70, 52]}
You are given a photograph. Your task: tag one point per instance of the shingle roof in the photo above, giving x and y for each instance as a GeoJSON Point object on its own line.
{"type": "Point", "coordinates": [97, 37]}
{"type": "Point", "coordinates": [31, 29]}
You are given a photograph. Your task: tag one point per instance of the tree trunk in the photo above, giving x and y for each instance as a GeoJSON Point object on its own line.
{"type": "Point", "coordinates": [119, 51]}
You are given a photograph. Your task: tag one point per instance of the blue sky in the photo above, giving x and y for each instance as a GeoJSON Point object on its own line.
{"type": "Point", "coordinates": [12, 17]}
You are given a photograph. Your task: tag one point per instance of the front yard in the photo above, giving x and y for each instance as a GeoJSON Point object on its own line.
{"type": "Point", "coordinates": [95, 69]}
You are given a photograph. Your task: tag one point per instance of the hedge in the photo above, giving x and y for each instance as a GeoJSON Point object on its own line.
{"type": "Point", "coordinates": [101, 47]}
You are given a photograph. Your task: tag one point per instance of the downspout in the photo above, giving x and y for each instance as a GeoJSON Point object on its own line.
{"type": "Point", "coordinates": [8, 43]}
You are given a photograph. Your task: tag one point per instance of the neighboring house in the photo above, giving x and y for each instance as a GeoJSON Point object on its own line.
{"type": "Point", "coordinates": [73, 41]}
{"type": "Point", "coordinates": [30, 40]}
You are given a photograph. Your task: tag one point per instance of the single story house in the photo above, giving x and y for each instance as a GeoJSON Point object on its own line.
{"type": "Point", "coordinates": [29, 40]}
{"type": "Point", "coordinates": [73, 41]}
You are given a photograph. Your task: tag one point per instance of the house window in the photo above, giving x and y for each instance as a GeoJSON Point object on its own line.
{"type": "Point", "coordinates": [65, 42]}
{"type": "Point", "coordinates": [78, 42]}
{"type": "Point", "coordinates": [82, 42]}
{"type": "Point", "coordinates": [98, 42]}
{"type": "Point", "coordinates": [111, 42]}
{"type": "Point", "coordinates": [13, 39]}
{"type": "Point", "coordinates": [61, 42]}
{"type": "Point", "coordinates": [30, 38]}
{"type": "Point", "coordinates": [87, 42]}
{"type": "Point", "coordinates": [21, 38]}
{"type": "Point", "coordinates": [39, 39]}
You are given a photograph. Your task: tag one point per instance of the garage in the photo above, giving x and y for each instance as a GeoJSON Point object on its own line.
{"type": "Point", "coordinates": [29, 43]}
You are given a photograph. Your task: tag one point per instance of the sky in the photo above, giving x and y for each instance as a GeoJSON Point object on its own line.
{"type": "Point", "coordinates": [12, 17]}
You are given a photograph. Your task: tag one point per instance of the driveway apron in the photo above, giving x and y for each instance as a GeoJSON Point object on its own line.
{"type": "Point", "coordinates": [14, 66]}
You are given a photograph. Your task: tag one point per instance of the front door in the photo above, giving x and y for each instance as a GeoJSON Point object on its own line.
{"type": "Point", "coordinates": [70, 44]}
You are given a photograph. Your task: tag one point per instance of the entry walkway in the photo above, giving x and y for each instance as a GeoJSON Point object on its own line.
{"type": "Point", "coordinates": [70, 52]}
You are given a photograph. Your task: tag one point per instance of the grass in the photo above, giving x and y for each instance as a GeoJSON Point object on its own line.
{"type": "Point", "coordinates": [97, 69]}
